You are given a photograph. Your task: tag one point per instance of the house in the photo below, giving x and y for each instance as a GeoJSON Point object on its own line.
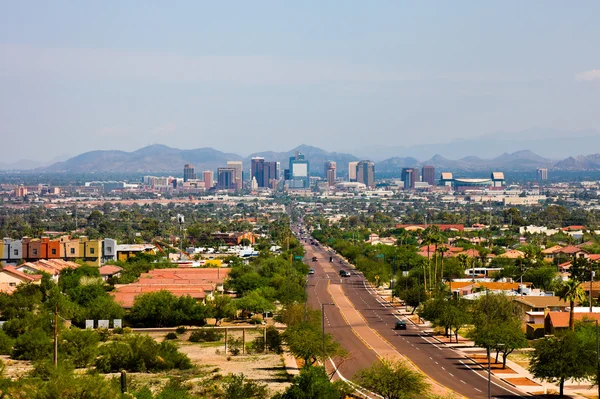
{"type": "Point", "coordinates": [463, 288]}
{"type": "Point", "coordinates": [559, 321]}
{"type": "Point", "coordinates": [374, 239]}
{"type": "Point", "coordinates": [541, 303]}
{"type": "Point", "coordinates": [109, 271]}
{"type": "Point", "coordinates": [512, 254]}
{"type": "Point", "coordinates": [10, 278]}
{"type": "Point", "coordinates": [126, 251]}
{"type": "Point", "coordinates": [550, 253]}
{"type": "Point", "coordinates": [199, 283]}
{"type": "Point", "coordinates": [53, 267]}
{"type": "Point", "coordinates": [442, 227]}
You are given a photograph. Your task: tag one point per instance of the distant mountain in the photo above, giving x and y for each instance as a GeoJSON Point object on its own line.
{"type": "Point", "coordinates": [155, 158]}
{"type": "Point", "coordinates": [517, 161]}
{"type": "Point", "coordinates": [163, 159]}
{"type": "Point", "coordinates": [582, 162]}
{"type": "Point", "coordinates": [316, 156]}
{"type": "Point", "coordinates": [550, 143]}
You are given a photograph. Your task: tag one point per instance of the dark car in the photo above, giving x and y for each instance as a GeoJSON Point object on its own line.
{"type": "Point", "coordinates": [400, 325]}
{"type": "Point", "coordinates": [314, 258]}
{"type": "Point", "coordinates": [345, 273]}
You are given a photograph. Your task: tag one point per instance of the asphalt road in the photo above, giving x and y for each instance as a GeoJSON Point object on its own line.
{"type": "Point", "coordinates": [444, 365]}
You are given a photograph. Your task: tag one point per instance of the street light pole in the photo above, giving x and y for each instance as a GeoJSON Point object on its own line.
{"type": "Point", "coordinates": [489, 359]}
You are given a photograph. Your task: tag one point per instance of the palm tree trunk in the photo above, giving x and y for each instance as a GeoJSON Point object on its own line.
{"type": "Point", "coordinates": [435, 269]}
{"type": "Point", "coordinates": [572, 316]}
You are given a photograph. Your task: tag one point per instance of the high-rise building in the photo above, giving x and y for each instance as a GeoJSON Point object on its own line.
{"type": "Point", "coordinates": [189, 173]}
{"type": "Point", "coordinates": [226, 179]}
{"type": "Point", "coordinates": [257, 171]}
{"type": "Point", "coordinates": [271, 173]}
{"type": "Point", "coordinates": [237, 165]}
{"type": "Point", "coordinates": [208, 177]}
{"type": "Point", "coordinates": [428, 173]}
{"type": "Point", "coordinates": [365, 173]}
{"type": "Point", "coordinates": [330, 172]}
{"type": "Point", "coordinates": [542, 174]}
{"type": "Point", "coordinates": [352, 171]}
{"type": "Point", "coordinates": [299, 171]}
{"type": "Point", "coordinates": [410, 176]}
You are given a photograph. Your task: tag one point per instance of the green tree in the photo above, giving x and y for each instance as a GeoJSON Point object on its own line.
{"type": "Point", "coordinates": [497, 322]}
{"type": "Point", "coordinates": [562, 357]}
{"type": "Point", "coordinates": [314, 383]}
{"type": "Point", "coordinates": [237, 386]}
{"type": "Point", "coordinates": [79, 346]}
{"type": "Point", "coordinates": [253, 302]}
{"type": "Point", "coordinates": [35, 344]}
{"type": "Point", "coordinates": [572, 292]}
{"type": "Point", "coordinates": [393, 380]}
{"type": "Point", "coordinates": [221, 307]}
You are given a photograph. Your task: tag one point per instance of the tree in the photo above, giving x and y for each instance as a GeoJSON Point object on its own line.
{"type": "Point", "coordinates": [572, 292]}
{"type": "Point", "coordinates": [237, 386]}
{"type": "Point", "coordinates": [163, 309]}
{"type": "Point", "coordinates": [305, 341]}
{"type": "Point", "coordinates": [562, 357]}
{"type": "Point", "coordinates": [393, 380]}
{"type": "Point", "coordinates": [221, 307]}
{"type": "Point", "coordinates": [80, 346]}
{"type": "Point", "coordinates": [497, 325]}
{"type": "Point", "coordinates": [253, 302]}
{"type": "Point", "coordinates": [314, 383]}
{"type": "Point", "coordinates": [35, 344]}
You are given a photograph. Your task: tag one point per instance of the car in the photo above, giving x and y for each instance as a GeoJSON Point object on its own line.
{"type": "Point", "coordinates": [345, 273]}
{"type": "Point", "coordinates": [314, 258]}
{"type": "Point", "coordinates": [400, 325]}
{"type": "Point", "coordinates": [311, 271]}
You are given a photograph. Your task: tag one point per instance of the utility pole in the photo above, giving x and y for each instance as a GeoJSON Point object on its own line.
{"type": "Point", "coordinates": [487, 315]}
{"type": "Point", "coordinates": [591, 280]}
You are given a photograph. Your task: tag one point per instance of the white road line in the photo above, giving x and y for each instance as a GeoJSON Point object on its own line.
{"type": "Point", "coordinates": [462, 381]}
{"type": "Point", "coordinates": [451, 375]}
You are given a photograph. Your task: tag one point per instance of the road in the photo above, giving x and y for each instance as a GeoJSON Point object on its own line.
{"type": "Point", "coordinates": [444, 365]}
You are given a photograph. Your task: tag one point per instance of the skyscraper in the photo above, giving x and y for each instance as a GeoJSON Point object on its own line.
{"type": "Point", "coordinates": [330, 172]}
{"type": "Point", "coordinates": [189, 173]}
{"type": "Point", "coordinates": [542, 174]}
{"type": "Point", "coordinates": [226, 179]}
{"type": "Point", "coordinates": [208, 177]}
{"type": "Point", "coordinates": [257, 171]}
{"type": "Point", "coordinates": [365, 173]}
{"type": "Point", "coordinates": [299, 171]}
{"type": "Point", "coordinates": [428, 173]}
{"type": "Point", "coordinates": [271, 173]}
{"type": "Point", "coordinates": [352, 171]}
{"type": "Point", "coordinates": [237, 165]}
{"type": "Point", "coordinates": [410, 176]}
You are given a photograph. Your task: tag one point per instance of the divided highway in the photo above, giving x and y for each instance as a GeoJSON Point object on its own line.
{"type": "Point", "coordinates": [444, 365]}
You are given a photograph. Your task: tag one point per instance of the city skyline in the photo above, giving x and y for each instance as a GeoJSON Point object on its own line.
{"type": "Point", "coordinates": [351, 77]}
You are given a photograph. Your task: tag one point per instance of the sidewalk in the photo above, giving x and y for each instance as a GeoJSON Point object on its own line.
{"type": "Point", "coordinates": [513, 374]}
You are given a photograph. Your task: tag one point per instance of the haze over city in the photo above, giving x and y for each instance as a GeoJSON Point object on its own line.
{"type": "Point", "coordinates": [247, 77]}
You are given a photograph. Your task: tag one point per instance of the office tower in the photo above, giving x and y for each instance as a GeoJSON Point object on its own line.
{"type": "Point", "coordinates": [299, 171]}
{"type": "Point", "coordinates": [365, 173]}
{"type": "Point", "coordinates": [428, 173]}
{"type": "Point", "coordinates": [208, 177]}
{"type": "Point", "coordinates": [542, 174]}
{"type": "Point", "coordinates": [352, 171]}
{"type": "Point", "coordinates": [410, 176]}
{"type": "Point", "coordinates": [271, 173]}
{"type": "Point", "coordinates": [257, 171]}
{"type": "Point", "coordinates": [237, 165]}
{"type": "Point", "coordinates": [226, 179]}
{"type": "Point", "coordinates": [189, 173]}
{"type": "Point", "coordinates": [330, 172]}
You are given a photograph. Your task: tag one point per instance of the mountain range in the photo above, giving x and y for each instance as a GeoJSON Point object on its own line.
{"type": "Point", "coordinates": [163, 159]}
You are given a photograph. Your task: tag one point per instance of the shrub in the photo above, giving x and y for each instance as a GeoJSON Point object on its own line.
{"type": "Point", "coordinates": [140, 353]}
{"type": "Point", "coordinates": [171, 336]}
{"type": "Point", "coordinates": [6, 343]}
{"type": "Point", "coordinates": [258, 345]}
{"type": "Point", "coordinates": [181, 330]}
{"type": "Point", "coordinates": [33, 345]}
{"type": "Point", "coordinates": [274, 340]}
{"type": "Point", "coordinates": [256, 320]}
{"type": "Point", "coordinates": [208, 335]}
{"type": "Point", "coordinates": [80, 346]}
{"type": "Point", "coordinates": [235, 346]}
{"type": "Point", "coordinates": [104, 334]}
{"type": "Point", "coordinates": [237, 386]}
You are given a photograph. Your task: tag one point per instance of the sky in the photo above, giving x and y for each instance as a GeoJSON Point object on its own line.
{"type": "Point", "coordinates": [270, 75]}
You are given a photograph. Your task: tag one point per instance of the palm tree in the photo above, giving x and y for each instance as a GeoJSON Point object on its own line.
{"type": "Point", "coordinates": [463, 260]}
{"type": "Point", "coordinates": [442, 250]}
{"type": "Point", "coordinates": [572, 292]}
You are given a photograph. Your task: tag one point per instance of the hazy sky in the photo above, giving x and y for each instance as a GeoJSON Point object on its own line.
{"type": "Point", "coordinates": [256, 75]}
